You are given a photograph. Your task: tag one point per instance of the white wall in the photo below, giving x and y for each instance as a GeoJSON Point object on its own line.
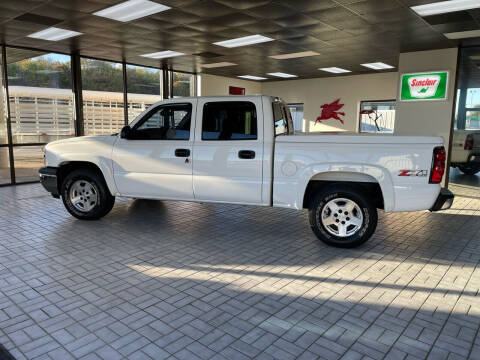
{"type": "Point", "coordinates": [349, 89]}
{"type": "Point", "coordinates": [218, 85]}
{"type": "Point", "coordinates": [427, 117]}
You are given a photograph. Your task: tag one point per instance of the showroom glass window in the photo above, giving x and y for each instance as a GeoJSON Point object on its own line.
{"type": "Point", "coordinates": [377, 117]}
{"type": "Point", "coordinates": [103, 111]}
{"type": "Point", "coordinates": [144, 88]}
{"type": "Point", "coordinates": [183, 85]}
{"type": "Point", "coordinates": [467, 115]}
{"type": "Point", "coordinates": [41, 106]}
{"type": "Point", "coordinates": [4, 157]}
{"type": "Point", "coordinates": [229, 121]}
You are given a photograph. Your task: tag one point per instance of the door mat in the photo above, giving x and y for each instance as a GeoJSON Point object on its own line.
{"type": "Point", "coordinates": [5, 354]}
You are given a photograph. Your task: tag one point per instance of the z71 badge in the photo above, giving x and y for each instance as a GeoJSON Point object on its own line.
{"type": "Point", "coordinates": [413, 173]}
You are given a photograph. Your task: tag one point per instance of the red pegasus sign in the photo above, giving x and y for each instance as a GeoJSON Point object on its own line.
{"type": "Point", "coordinates": [330, 111]}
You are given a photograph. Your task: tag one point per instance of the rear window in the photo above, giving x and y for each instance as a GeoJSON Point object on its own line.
{"type": "Point", "coordinates": [282, 118]}
{"type": "Point", "coordinates": [229, 120]}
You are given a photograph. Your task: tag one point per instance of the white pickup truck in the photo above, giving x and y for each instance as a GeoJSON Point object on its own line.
{"type": "Point", "coordinates": [243, 150]}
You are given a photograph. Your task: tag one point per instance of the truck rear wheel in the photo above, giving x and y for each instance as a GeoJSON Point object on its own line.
{"type": "Point", "coordinates": [85, 195]}
{"type": "Point", "coordinates": [469, 169]}
{"type": "Point", "coordinates": [342, 216]}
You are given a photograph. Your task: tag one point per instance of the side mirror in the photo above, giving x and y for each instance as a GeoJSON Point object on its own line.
{"type": "Point", "coordinates": [126, 131]}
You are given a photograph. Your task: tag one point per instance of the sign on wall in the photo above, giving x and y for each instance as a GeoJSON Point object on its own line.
{"type": "Point", "coordinates": [330, 111]}
{"type": "Point", "coordinates": [424, 86]}
{"type": "Point", "coordinates": [234, 90]}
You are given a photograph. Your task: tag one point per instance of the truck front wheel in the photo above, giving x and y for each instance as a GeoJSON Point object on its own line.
{"type": "Point", "coordinates": [342, 216]}
{"type": "Point", "coordinates": [85, 195]}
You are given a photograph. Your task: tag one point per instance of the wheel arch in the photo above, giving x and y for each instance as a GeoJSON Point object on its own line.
{"type": "Point", "coordinates": [66, 167]}
{"type": "Point", "coordinates": [372, 179]}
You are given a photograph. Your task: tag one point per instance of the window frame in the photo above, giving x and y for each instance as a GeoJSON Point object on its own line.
{"type": "Point", "coordinates": [230, 102]}
{"type": "Point", "coordinates": [157, 108]}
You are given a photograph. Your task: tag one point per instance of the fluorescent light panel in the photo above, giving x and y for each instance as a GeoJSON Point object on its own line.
{"type": "Point", "coordinates": [217, 65]}
{"type": "Point", "coordinates": [163, 54]}
{"type": "Point", "coordinates": [335, 70]}
{"type": "Point", "coordinates": [54, 34]}
{"type": "Point", "coordinates": [445, 7]}
{"type": "Point", "coordinates": [251, 77]}
{"type": "Point", "coordinates": [244, 41]}
{"type": "Point", "coordinates": [295, 55]}
{"type": "Point", "coordinates": [463, 34]}
{"type": "Point", "coordinates": [131, 10]}
{"type": "Point", "coordinates": [378, 66]}
{"type": "Point", "coordinates": [282, 75]}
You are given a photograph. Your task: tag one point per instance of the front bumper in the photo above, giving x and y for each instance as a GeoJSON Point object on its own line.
{"type": "Point", "coordinates": [48, 178]}
{"type": "Point", "coordinates": [444, 200]}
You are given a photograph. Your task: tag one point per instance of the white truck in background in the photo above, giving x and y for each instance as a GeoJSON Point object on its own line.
{"type": "Point", "coordinates": [465, 153]}
{"type": "Point", "coordinates": [243, 150]}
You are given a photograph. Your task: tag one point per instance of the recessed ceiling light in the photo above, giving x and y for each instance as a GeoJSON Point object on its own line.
{"type": "Point", "coordinates": [445, 7]}
{"type": "Point", "coordinates": [251, 77]}
{"type": "Point", "coordinates": [131, 10]}
{"type": "Point", "coordinates": [335, 70]}
{"type": "Point", "coordinates": [216, 65]}
{"type": "Point", "coordinates": [462, 34]}
{"type": "Point", "coordinates": [282, 75]}
{"type": "Point", "coordinates": [378, 66]}
{"type": "Point", "coordinates": [295, 55]}
{"type": "Point", "coordinates": [163, 54]}
{"type": "Point", "coordinates": [54, 34]}
{"type": "Point", "coordinates": [243, 41]}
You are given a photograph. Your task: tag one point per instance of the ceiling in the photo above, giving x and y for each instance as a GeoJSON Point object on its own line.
{"type": "Point", "coordinates": [346, 33]}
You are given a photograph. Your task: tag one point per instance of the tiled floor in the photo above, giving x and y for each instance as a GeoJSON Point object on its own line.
{"type": "Point", "coordinates": [157, 280]}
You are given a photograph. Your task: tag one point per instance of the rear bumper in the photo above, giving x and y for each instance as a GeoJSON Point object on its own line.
{"type": "Point", "coordinates": [48, 178]}
{"type": "Point", "coordinates": [444, 200]}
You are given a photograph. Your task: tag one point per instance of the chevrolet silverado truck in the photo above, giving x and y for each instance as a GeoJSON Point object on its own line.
{"type": "Point", "coordinates": [243, 150]}
{"type": "Point", "coordinates": [466, 151]}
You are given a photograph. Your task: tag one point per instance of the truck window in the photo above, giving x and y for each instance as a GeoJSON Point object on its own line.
{"type": "Point", "coordinates": [281, 119]}
{"type": "Point", "coordinates": [229, 120]}
{"type": "Point", "coordinates": [168, 122]}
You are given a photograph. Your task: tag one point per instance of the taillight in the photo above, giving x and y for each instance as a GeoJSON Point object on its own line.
{"type": "Point", "coordinates": [438, 165]}
{"type": "Point", "coordinates": [469, 142]}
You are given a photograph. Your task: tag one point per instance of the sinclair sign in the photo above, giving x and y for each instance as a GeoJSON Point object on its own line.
{"type": "Point", "coordinates": [424, 86]}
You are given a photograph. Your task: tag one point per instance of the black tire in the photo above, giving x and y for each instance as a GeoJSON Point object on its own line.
{"type": "Point", "coordinates": [104, 200]}
{"type": "Point", "coordinates": [363, 232]}
{"type": "Point", "coordinates": [469, 169]}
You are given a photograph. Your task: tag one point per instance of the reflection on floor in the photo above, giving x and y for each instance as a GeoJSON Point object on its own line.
{"type": "Point", "coordinates": [459, 178]}
{"type": "Point", "coordinates": [159, 279]}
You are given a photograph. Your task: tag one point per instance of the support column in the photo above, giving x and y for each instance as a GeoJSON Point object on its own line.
{"type": "Point", "coordinates": [166, 84]}
{"type": "Point", "coordinates": [125, 94]}
{"type": "Point", "coordinates": [7, 114]}
{"type": "Point", "coordinates": [462, 112]}
{"type": "Point", "coordinates": [77, 92]}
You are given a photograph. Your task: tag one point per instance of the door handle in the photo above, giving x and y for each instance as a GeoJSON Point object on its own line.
{"type": "Point", "coordinates": [246, 154]}
{"type": "Point", "coordinates": [182, 152]}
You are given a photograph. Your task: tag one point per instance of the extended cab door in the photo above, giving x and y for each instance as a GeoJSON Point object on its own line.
{"type": "Point", "coordinates": [228, 150]}
{"type": "Point", "coordinates": [155, 160]}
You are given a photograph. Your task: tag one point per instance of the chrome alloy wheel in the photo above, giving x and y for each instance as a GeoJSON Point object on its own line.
{"type": "Point", "coordinates": [342, 217]}
{"type": "Point", "coordinates": [83, 195]}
